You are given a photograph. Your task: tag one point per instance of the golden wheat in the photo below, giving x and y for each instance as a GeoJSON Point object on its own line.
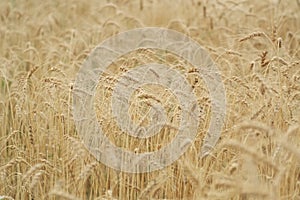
{"type": "Point", "coordinates": [255, 45]}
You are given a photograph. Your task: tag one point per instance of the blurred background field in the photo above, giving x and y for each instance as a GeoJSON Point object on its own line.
{"type": "Point", "coordinates": [256, 45]}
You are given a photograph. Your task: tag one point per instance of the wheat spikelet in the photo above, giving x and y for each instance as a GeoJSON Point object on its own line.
{"type": "Point", "coordinates": [263, 57]}
{"type": "Point", "coordinates": [62, 194]}
{"type": "Point", "coordinates": [274, 32]}
{"type": "Point", "coordinates": [284, 142]}
{"type": "Point", "coordinates": [31, 49]}
{"type": "Point", "coordinates": [32, 170]}
{"type": "Point", "coordinates": [57, 70]}
{"type": "Point", "coordinates": [31, 137]}
{"type": "Point", "coordinates": [131, 22]}
{"type": "Point", "coordinates": [14, 161]}
{"type": "Point", "coordinates": [191, 174]}
{"type": "Point", "coordinates": [263, 84]}
{"type": "Point", "coordinates": [279, 43]}
{"type": "Point", "coordinates": [87, 171]}
{"type": "Point", "coordinates": [257, 125]}
{"type": "Point", "coordinates": [252, 153]}
{"type": "Point", "coordinates": [294, 63]}
{"type": "Point", "coordinates": [47, 163]}
{"type": "Point", "coordinates": [294, 150]}
{"type": "Point", "coordinates": [258, 112]}
{"type": "Point", "coordinates": [275, 194]}
{"type": "Point", "coordinates": [6, 197]}
{"type": "Point", "coordinates": [252, 191]}
{"type": "Point", "coordinates": [225, 182]}
{"type": "Point", "coordinates": [252, 35]}
{"type": "Point", "coordinates": [36, 178]}
{"type": "Point", "coordinates": [280, 60]}
{"type": "Point", "coordinates": [204, 12]}
{"type": "Point", "coordinates": [53, 21]}
{"type": "Point", "coordinates": [177, 25]}
{"type": "Point", "coordinates": [109, 10]}
{"type": "Point", "coordinates": [239, 81]}
{"type": "Point", "coordinates": [7, 138]}
{"type": "Point", "coordinates": [152, 186]}
{"type": "Point", "coordinates": [111, 27]}
{"type": "Point", "coordinates": [245, 186]}
{"type": "Point", "coordinates": [231, 52]}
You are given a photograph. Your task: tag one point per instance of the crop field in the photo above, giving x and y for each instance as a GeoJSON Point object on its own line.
{"type": "Point", "coordinates": [255, 45]}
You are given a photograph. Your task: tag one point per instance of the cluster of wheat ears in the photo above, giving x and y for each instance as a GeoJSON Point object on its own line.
{"type": "Point", "coordinates": [256, 45]}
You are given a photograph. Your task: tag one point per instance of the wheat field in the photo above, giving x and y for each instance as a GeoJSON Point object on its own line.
{"type": "Point", "coordinates": [256, 46]}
